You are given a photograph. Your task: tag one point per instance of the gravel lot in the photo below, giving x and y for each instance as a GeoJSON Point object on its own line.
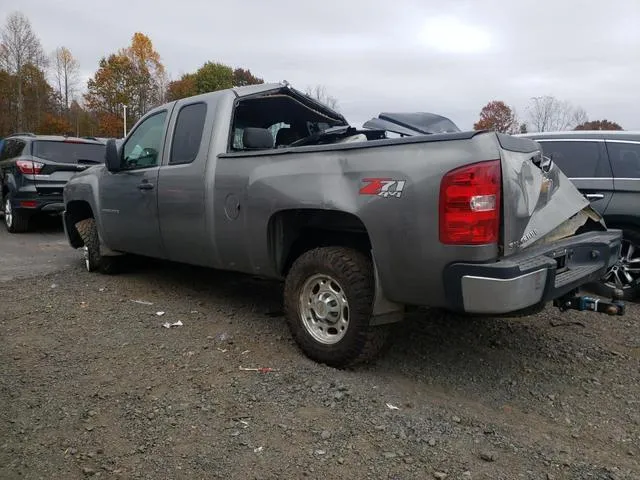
{"type": "Point", "coordinates": [92, 385]}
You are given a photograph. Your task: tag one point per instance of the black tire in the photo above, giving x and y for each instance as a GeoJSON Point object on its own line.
{"type": "Point", "coordinates": [16, 220]}
{"type": "Point", "coordinates": [353, 272]}
{"type": "Point", "coordinates": [630, 292]}
{"type": "Point", "coordinates": [94, 261]}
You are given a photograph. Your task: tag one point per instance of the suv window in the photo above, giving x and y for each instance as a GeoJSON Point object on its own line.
{"type": "Point", "coordinates": [581, 159]}
{"type": "Point", "coordinates": [625, 159]}
{"type": "Point", "coordinates": [188, 133]}
{"type": "Point", "coordinates": [142, 148]}
{"type": "Point", "coordinates": [12, 148]}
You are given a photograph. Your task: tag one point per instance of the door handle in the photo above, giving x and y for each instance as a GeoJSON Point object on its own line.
{"type": "Point", "coordinates": [594, 196]}
{"type": "Point", "coordinates": [145, 186]}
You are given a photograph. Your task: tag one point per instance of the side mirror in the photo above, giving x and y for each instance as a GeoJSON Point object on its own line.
{"type": "Point", "coordinates": [112, 156]}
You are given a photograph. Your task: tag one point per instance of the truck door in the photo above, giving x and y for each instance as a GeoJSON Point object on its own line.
{"type": "Point", "coordinates": [129, 197]}
{"type": "Point", "coordinates": [181, 186]}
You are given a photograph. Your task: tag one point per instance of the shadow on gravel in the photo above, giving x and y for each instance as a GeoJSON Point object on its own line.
{"type": "Point", "coordinates": [235, 287]}
{"type": "Point", "coordinates": [430, 346]}
{"type": "Point", "coordinates": [46, 224]}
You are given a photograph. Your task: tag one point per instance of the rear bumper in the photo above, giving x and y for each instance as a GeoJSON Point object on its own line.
{"type": "Point", "coordinates": [32, 201]}
{"type": "Point", "coordinates": [539, 274]}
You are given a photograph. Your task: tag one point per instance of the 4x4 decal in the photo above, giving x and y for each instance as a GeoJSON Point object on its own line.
{"type": "Point", "coordinates": [382, 187]}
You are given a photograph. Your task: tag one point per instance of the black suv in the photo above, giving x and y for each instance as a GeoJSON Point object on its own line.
{"type": "Point", "coordinates": [35, 168]}
{"type": "Point", "coordinates": [605, 166]}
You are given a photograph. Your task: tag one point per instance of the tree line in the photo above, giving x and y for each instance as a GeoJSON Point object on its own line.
{"type": "Point", "coordinates": [42, 93]}
{"type": "Point", "coordinates": [544, 114]}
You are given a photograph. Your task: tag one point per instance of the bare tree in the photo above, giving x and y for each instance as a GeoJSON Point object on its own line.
{"type": "Point", "coordinates": [66, 75]}
{"type": "Point", "coordinates": [41, 62]}
{"type": "Point", "coordinates": [547, 113]}
{"type": "Point", "coordinates": [19, 46]}
{"type": "Point", "coordinates": [319, 92]}
{"type": "Point", "coordinates": [579, 117]}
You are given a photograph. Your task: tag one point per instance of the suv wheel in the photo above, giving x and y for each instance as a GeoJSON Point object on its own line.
{"type": "Point", "coordinates": [625, 274]}
{"type": "Point", "coordinates": [16, 221]}
{"type": "Point", "coordinates": [328, 301]}
{"type": "Point", "coordinates": [93, 260]}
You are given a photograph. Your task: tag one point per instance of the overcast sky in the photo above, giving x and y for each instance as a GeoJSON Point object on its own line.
{"type": "Point", "coordinates": [446, 57]}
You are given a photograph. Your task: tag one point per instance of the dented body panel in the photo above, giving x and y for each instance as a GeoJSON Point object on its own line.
{"type": "Point", "coordinates": [229, 209]}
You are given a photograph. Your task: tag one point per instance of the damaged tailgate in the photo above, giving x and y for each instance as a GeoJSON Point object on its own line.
{"type": "Point", "coordinates": [541, 205]}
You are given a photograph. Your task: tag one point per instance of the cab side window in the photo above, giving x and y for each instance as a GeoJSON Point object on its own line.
{"type": "Point", "coordinates": [187, 134]}
{"type": "Point", "coordinates": [142, 148]}
{"type": "Point", "coordinates": [582, 159]}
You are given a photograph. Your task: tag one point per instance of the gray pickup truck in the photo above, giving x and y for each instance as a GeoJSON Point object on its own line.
{"type": "Point", "coordinates": [267, 181]}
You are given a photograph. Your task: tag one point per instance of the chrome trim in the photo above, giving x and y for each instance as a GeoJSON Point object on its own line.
{"type": "Point", "coordinates": [634, 142]}
{"type": "Point", "coordinates": [603, 178]}
{"type": "Point", "coordinates": [502, 295]}
{"type": "Point", "coordinates": [590, 178]}
{"type": "Point", "coordinates": [595, 140]}
{"type": "Point", "coordinates": [580, 132]}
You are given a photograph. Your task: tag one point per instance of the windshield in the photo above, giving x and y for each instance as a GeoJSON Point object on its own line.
{"type": "Point", "coordinates": [68, 152]}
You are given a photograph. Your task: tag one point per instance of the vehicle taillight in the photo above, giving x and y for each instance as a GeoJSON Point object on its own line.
{"type": "Point", "coordinates": [29, 167]}
{"type": "Point", "coordinates": [470, 204]}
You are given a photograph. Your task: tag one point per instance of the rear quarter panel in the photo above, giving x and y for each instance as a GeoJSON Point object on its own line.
{"type": "Point", "coordinates": [403, 231]}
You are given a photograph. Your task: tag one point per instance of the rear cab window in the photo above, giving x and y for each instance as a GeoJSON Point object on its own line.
{"type": "Point", "coordinates": [625, 159]}
{"type": "Point", "coordinates": [578, 159]}
{"type": "Point", "coordinates": [187, 134]}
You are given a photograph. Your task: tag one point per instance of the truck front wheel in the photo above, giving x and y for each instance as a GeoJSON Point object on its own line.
{"type": "Point", "coordinates": [93, 260]}
{"type": "Point", "coordinates": [328, 301]}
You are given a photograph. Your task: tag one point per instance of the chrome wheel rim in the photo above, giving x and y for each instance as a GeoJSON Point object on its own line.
{"type": "Point", "coordinates": [8, 213]}
{"type": "Point", "coordinates": [324, 309]}
{"type": "Point", "coordinates": [626, 272]}
{"type": "Point", "coordinates": [85, 251]}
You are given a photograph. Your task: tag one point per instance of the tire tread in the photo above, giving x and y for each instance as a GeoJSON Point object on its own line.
{"type": "Point", "coordinates": [355, 274]}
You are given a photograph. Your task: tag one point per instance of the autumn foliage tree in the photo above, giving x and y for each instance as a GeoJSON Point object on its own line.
{"type": "Point", "coordinates": [182, 88]}
{"type": "Point", "coordinates": [498, 116]}
{"type": "Point", "coordinates": [110, 88]}
{"type": "Point", "coordinates": [134, 77]}
{"type": "Point", "coordinates": [242, 78]}
{"type": "Point", "coordinates": [54, 125]}
{"type": "Point", "coordinates": [148, 75]}
{"type": "Point", "coordinates": [210, 77]}
{"type": "Point", "coordinates": [598, 125]}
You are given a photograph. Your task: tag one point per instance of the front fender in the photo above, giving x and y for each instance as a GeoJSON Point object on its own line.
{"type": "Point", "coordinates": [83, 187]}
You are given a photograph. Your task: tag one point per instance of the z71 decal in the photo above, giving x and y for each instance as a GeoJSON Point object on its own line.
{"type": "Point", "coordinates": [382, 187]}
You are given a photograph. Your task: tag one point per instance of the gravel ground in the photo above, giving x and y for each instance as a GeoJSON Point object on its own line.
{"type": "Point", "coordinates": [92, 385]}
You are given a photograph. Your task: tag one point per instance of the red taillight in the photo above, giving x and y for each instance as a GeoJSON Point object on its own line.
{"type": "Point", "coordinates": [28, 167]}
{"type": "Point", "coordinates": [28, 204]}
{"type": "Point", "coordinates": [470, 204]}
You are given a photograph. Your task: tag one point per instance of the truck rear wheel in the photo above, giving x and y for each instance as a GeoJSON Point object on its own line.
{"type": "Point", "coordinates": [93, 260]}
{"type": "Point", "coordinates": [328, 302]}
